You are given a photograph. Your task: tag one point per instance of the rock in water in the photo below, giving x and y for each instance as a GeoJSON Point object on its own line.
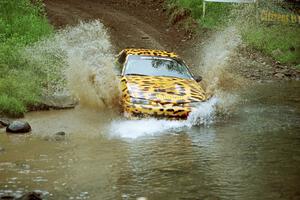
{"type": "Point", "coordinates": [4, 122]}
{"type": "Point", "coordinates": [59, 101]}
{"type": "Point", "coordinates": [18, 127]}
{"type": "Point", "coordinates": [31, 196]}
{"type": "Point", "coordinates": [279, 75]}
{"type": "Point", "coordinates": [60, 133]}
{"type": "Point", "coordinates": [60, 136]}
{"type": "Point", "coordinates": [7, 197]}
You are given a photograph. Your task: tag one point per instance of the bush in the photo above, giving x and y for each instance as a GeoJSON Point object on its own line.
{"type": "Point", "coordinates": [11, 106]}
{"type": "Point", "coordinates": [21, 23]}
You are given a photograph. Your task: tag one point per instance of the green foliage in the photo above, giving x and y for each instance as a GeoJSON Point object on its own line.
{"type": "Point", "coordinates": [216, 13]}
{"type": "Point", "coordinates": [20, 88]}
{"type": "Point", "coordinates": [282, 42]}
{"type": "Point", "coordinates": [11, 106]}
{"type": "Point", "coordinates": [21, 24]}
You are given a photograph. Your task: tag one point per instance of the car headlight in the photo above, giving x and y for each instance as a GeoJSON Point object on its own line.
{"type": "Point", "coordinates": [140, 101]}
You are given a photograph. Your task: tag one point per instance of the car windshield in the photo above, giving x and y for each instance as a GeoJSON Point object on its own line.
{"type": "Point", "coordinates": [156, 66]}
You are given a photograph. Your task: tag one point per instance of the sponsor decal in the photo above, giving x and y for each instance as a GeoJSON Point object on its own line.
{"type": "Point", "coordinates": [287, 18]}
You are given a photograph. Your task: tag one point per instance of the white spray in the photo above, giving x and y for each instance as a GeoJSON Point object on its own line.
{"type": "Point", "coordinates": [85, 66]}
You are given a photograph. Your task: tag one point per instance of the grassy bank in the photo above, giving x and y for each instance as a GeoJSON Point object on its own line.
{"type": "Point", "coordinates": [21, 23]}
{"type": "Point", "coordinates": [277, 40]}
{"type": "Point", "coordinates": [215, 17]}
{"type": "Point", "coordinates": [282, 42]}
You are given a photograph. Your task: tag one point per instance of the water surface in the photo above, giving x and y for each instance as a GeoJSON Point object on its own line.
{"type": "Point", "coordinates": [254, 153]}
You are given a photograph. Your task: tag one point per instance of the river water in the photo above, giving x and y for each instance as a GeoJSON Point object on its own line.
{"type": "Point", "coordinates": [252, 153]}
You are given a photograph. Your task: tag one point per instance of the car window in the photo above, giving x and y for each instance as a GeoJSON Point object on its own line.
{"type": "Point", "coordinates": [156, 66]}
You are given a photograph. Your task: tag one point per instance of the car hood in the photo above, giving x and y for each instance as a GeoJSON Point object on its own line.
{"type": "Point", "coordinates": [163, 89]}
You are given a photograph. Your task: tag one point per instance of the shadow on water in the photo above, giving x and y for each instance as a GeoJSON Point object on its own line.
{"type": "Point", "coordinates": [252, 154]}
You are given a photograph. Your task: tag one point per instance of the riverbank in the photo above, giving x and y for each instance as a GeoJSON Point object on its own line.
{"type": "Point", "coordinates": [21, 24]}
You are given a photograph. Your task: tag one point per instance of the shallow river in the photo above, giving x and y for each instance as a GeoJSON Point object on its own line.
{"type": "Point", "coordinates": [254, 153]}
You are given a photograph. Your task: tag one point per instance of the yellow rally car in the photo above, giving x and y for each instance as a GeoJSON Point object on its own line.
{"type": "Point", "coordinates": [157, 84]}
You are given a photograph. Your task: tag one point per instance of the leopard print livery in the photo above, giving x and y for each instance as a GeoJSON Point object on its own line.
{"type": "Point", "coordinates": [150, 52]}
{"type": "Point", "coordinates": [157, 96]}
{"type": "Point", "coordinates": [165, 97]}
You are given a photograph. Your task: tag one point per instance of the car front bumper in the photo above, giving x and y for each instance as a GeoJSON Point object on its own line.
{"type": "Point", "coordinates": [167, 111]}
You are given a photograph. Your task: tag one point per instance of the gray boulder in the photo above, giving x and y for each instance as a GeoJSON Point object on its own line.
{"type": "Point", "coordinates": [59, 102]}
{"type": "Point", "coordinates": [31, 196]}
{"type": "Point", "coordinates": [60, 136]}
{"type": "Point", "coordinates": [18, 127]}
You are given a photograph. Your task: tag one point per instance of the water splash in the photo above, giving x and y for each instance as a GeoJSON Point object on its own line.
{"type": "Point", "coordinates": [79, 61]}
{"type": "Point", "coordinates": [201, 115]}
{"type": "Point", "coordinates": [143, 127]}
{"type": "Point", "coordinates": [90, 73]}
{"type": "Point", "coordinates": [204, 113]}
{"type": "Point", "coordinates": [214, 58]}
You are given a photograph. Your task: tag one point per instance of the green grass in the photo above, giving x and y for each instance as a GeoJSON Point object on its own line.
{"type": "Point", "coordinates": [21, 23]}
{"type": "Point", "coordinates": [278, 40]}
{"type": "Point", "coordinates": [11, 106]}
{"type": "Point", "coordinates": [282, 42]}
{"type": "Point", "coordinates": [216, 13]}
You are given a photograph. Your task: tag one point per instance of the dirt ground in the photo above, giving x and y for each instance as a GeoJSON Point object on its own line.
{"type": "Point", "coordinates": [138, 23]}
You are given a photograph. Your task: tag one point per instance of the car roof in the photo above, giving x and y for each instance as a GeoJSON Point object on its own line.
{"type": "Point", "coordinates": [150, 52]}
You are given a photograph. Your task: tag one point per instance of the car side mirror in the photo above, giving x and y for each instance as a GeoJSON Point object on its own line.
{"type": "Point", "coordinates": [198, 78]}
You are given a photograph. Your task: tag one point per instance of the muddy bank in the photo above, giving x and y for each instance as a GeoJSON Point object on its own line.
{"type": "Point", "coordinates": [255, 66]}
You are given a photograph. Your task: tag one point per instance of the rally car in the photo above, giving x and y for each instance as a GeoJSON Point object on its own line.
{"type": "Point", "coordinates": [158, 84]}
